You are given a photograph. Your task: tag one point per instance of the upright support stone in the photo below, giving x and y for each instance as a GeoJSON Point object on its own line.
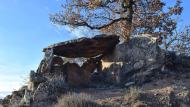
{"type": "Point", "coordinates": [45, 64]}
{"type": "Point", "coordinates": [48, 59]}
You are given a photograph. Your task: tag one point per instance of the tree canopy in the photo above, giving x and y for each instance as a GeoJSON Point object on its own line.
{"type": "Point", "coordinates": [120, 17]}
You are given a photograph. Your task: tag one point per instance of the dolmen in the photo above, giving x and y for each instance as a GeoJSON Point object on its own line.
{"type": "Point", "coordinates": [58, 58]}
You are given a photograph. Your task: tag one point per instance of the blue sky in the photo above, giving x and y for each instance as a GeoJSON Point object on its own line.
{"type": "Point", "coordinates": [25, 30]}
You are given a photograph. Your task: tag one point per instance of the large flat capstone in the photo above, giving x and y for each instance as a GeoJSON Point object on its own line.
{"type": "Point", "coordinates": [85, 47]}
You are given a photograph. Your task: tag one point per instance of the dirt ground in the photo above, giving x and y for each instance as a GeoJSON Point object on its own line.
{"type": "Point", "coordinates": [173, 91]}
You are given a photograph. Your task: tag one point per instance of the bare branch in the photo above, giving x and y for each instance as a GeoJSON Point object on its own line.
{"type": "Point", "coordinates": [95, 27]}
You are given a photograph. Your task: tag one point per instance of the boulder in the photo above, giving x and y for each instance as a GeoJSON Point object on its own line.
{"type": "Point", "coordinates": [140, 53]}
{"type": "Point", "coordinates": [85, 47]}
{"type": "Point", "coordinates": [49, 91]}
{"type": "Point", "coordinates": [141, 48]}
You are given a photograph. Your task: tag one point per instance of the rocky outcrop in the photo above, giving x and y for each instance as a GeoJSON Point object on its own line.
{"type": "Point", "coordinates": [85, 47]}
{"type": "Point", "coordinates": [105, 64]}
{"type": "Point", "coordinates": [14, 100]}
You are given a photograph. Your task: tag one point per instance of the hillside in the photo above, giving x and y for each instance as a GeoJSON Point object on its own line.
{"type": "Point", "coordinates": [110, 73]}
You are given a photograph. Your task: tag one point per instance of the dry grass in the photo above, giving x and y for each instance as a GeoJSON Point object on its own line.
{"type": "Point", "coordinates": [77, 100]}
{"type": "Point", "coordinates": [132, 97]}
{"type": "Point", "coordinates": [132, 94]}
{"type": "Point", "coordinates": [139, 104]}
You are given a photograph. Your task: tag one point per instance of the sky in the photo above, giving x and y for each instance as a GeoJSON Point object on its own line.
{"type": "Point", "coordinates": [25, 29]}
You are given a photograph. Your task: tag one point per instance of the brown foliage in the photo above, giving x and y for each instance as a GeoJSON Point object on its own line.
{"type": "Point", "coordinates": [120, 17]}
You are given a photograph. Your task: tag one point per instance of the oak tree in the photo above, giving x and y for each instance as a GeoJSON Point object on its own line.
{"type": "Point", "coordinates": [121, 17]}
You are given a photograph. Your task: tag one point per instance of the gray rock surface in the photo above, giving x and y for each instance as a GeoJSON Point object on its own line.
{"type": "Point", "coordinates": [49, 91]}
{"type": "Point", "coordinates": [34, 80]}
{"type": "Point", "coordinates": [142, 48]}
{"type": "Point", "coordinates": [140, 53]}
